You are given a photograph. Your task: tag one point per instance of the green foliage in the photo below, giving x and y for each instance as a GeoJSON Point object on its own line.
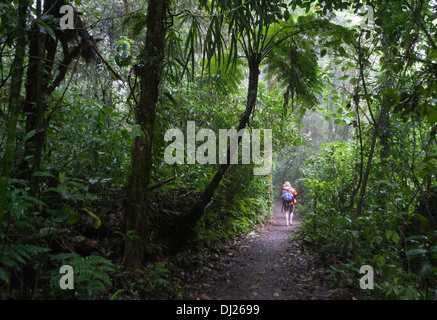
{"type": "Point", "coordinates": [135, 24]}
{"type": "Point", "coordinates": [374, 82]}
{"type": "Point", "coordinates": [14, 258]}
{"type": "Point", "coordinates": [378, 237]}
{"type": "Point", "coordinates": [294, 63]}
{"type": "Point", "coordinates": [89, 130]}
{"type": "Point", "coordinates": [239, 206]}
{"type": "Point", "coordinates": [347, 86]}
{"type": "Point", "coordinates": [92, 274]}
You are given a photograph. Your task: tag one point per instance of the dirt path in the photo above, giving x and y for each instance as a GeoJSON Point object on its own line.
{"type": "Point", "coordinates": [267, 266]}
{"type": "Point", "coordinates": [260, 270]}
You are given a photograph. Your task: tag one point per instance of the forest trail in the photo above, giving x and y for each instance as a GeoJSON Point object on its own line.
{"type": "Point", "coordinates": [266, 265]}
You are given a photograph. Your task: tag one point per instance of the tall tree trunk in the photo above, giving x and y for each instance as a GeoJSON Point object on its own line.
{"type": "Point", "coordinates": [39, 104]}
{"type": "Point", "coordinates": [42, 56]}
{"type": "Point", "coordinates": [137, 206]}
{"type": "Point", "coordinates": [126, 7]}
{"type": "Point", "coordinates": [14, 103]}
{"type": "Point", "coordinates": [196, 211]}
{"type": "Point", "coordinates": [367, 172]}
{"type": "Point", "coordinates": [33, 106]}
{"type": "Point", "coordinates": [384, 133]}
{"type": "Point", "coordinates": [362, 185]}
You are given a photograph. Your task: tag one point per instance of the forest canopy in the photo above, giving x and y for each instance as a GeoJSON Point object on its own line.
{"type": "Point", "coordinates": [106, 105]}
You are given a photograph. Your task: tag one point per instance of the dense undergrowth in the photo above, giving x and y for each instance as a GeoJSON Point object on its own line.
{"type": "Point", "coordinates": [83, 231]}
{"type": "Point", "coordinates": [395, 233]}
{"type": "Point", "coordinates": [72, 112]}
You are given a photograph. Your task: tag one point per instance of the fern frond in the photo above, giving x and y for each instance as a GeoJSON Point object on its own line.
{"type": "Point", "coordinates": [135, 24]}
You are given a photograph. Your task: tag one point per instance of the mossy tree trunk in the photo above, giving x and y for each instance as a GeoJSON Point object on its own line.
{"type": "Point", "coordinates": [150, 72]}
{"type": "Point", "coordinates": [14, 103]}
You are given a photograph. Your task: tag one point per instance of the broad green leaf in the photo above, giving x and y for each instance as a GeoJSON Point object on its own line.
{"type": "Point", "coordinates": [61, 177]}
{"type": "Point", "coordinates": [341, 51]}
{"type": "Point", "coordinates": [43, 174]}
{"type": "Point", "coordinates": [412, 253]}
{"type": "Point", "coordinates": [388, 234]}
{"type": "Point", "coordinates": [395, 237]}
{"type": "Point", "coordinates": [46, 28]}
{"type": "Point", "coordinates": [432, 116]}
{"type": "Point", "coordinates": [35, 200]}
{"type": "Point", "coordinates": [97, 222]}
{"type": "Point", "coordinates": [323, 52]}
{"type": "Point", "coordinates": [29, 135]}
{"type": "Point", "coordinates": [353, 81]}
